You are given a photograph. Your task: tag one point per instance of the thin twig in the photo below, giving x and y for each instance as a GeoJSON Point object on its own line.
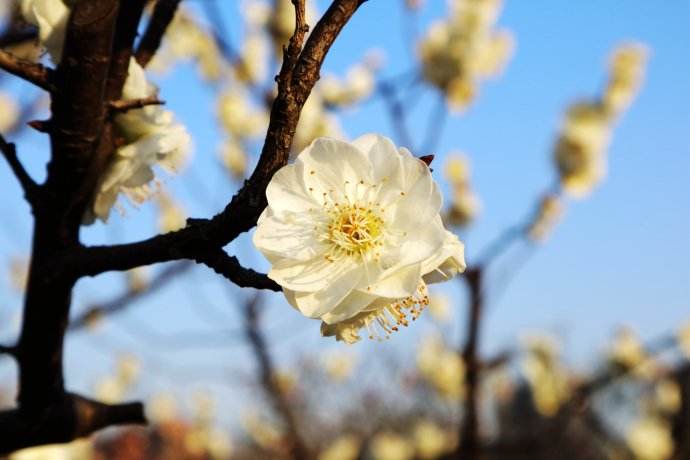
{"type": "Point", "coordinates": [30, 187]}
{"type": "Point", "coordinates": [230, 268]}
{"type": "Point", "coordinates": [8, 350]}
{"type": "Point", "coordinates": [268, 380]}
{"type": "Point", "coordinates": [124, 300]}
{"type": "Point", "coordinates": [32, 72]}
{"type": "Point", "coordinates": [162, 16]}
{"type": "Point", "coordinates": [124, 105]}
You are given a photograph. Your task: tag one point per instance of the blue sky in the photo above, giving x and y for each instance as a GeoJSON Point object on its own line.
{"type": "Point", "coordinates": [621, 256]}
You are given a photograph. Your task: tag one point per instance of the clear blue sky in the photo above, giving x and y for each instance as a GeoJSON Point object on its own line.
{"type": "Point", "coordinates": [620, 257]}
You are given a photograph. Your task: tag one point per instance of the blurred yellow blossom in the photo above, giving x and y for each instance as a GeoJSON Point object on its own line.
{"type": "Point", "coordinates": [18, 273]}
{"type": "Point", "coordinates": [442, 367]}
{"type": "Point", "coordinates": [128, 368]}
{"type": "Point", "coordinates": [110, 390]}
{"type": "Point", "coordinates": [315, 121]}
{"type": "Point", "coordinates": [240, 118]}
{"type": "Point", "coordinates": [464, 203]}
{"type": "Point", "coordinates": [683, 338]}
{"type": "Point", "coordinates": [262, 432]}
{"type": "Point", "coordinates": [668, 396]}
{"type": "Point", "coordinates": [440, 308]}
{"type": "Point", "coordinates": [186, 39]}
{"type": "Point", "coordinates": [430, 440]}
{"type": "Point", "coordinates": [550, 211]}
{"type": "Point", "coordinates": [339, 365]}
{"type": "Point", "coordinates": [171, 216]}
{"type": "Point", "coordinates": [626, 71]}
{"type": "Point", "coordinates": [547, 378]}
{"type": "Point", "coordinates": [234, 158]}
{"type": "Point", "coordinates": [162, 408]}
{"type": "Point", "coordinates": [281, 23]}
{"type": "Point", "coordinates": [459, 52]}
{"type": "Point", "coordinates": [138, 279]}
{"type": "Point", "coordinates": [345, 447]}
{"type": "Point", "coordinates": [626, 349]}
{"type": "Point", "coordinates": [391, 446]}
{"type": "Point", "coordinates": [580, 151]}
{"type": "Point", "coordinates": [650, 439]}
{"type": "Point", "coordinates": [75, 450]}
{"type": "Point", "coordinates": [358, 84]}
{"type": "Point", "coordinates": [286, 381]}
{"type": "Point", "coordinates": [9, 112]}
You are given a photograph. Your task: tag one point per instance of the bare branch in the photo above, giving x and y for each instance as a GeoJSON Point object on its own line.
{"type": "Point", "coordinates": [30, 187]}
{"type": "Point", "coordinates": [162, 16]}
{"type": "Point", "coordinates": [124, 105]}
{"type": "Point", "coordinates": [123, 300]}
{"type": "Point", "coordinates": [230, 267]}
{"type": "Point", "coordinates": [268, 380]}
{"type": "Point", "coordinates": [8, 350]}
{"type": "Point", "coordinates": [32, 72]}
{"type": "Point", "coordinates": [66, 419]}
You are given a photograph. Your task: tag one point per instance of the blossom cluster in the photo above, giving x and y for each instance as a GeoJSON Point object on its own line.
{"type": "Point", "coordinates": [461, 51]}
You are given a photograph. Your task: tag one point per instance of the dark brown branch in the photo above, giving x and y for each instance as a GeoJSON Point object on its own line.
{"type": "Point", "coordinates": [32, 72]}
{"type": "Point", "coordinates": [229, 267]}
{"type": "Point", "coordinates": [240, 215]}
{"type": "Point", "coordinates": [65, 419]}
{"type": "Point", "coordinates": [162, 16]}
{"type": "Point", "coordinates": [269, 382]}
{"type": "Point", "coordinates": [13, 37]}
{"type": "Point", "coordinates": [122, 301]}
{"type": "Point", "coordinates": [469, 428]}
{"type": "Point", "coordinates": [124, 105]}
{"type": "Point", "coordinates": [9, 151]}
{"type": "Point", "coordinates": [8, 350]}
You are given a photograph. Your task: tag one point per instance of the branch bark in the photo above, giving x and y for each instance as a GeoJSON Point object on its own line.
{"type": "Point", "coordinates": [162, 16]}
{"type": "Point", "coordinates": [31, 189]}
{"type": "Point", "coordinates": [37, 74]}
{"type": "Point", "coordinates": [230, 268]}
{"type": "Point", "coordinates": [64, 419]}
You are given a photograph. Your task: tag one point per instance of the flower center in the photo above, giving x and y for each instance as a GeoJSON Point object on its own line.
{"type": "Point", "coordinates": [353, 229]}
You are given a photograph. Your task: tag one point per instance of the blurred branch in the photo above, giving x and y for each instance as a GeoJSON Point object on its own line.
{"type": "Point", "coordinates": [65, 419]}
{"type": "Point", "coordinates": [436, 123]}
{"type": "Point", "coordinates": [8, 350]}
{"type": "Point", "coordinates": [124, 105]}
{"type": "Point", "coordinates": [32, 72]}
{"type": "Point", "coordinates": [230, 268]}
{"type": "Point", "coordinates": [13, 37]}
{"type": "Point", "coordinates": [162, 16]}
{"type": "Point", "coordinates": [469, 428]}
{"type": "Point", "coordinates": [267, 377]}
{"type": "Point", "coordinates": [31, 189]}
{"type": "Point", "coordinates": [397, 113]}
{"type": "Point", "coordinates": [121, 302]}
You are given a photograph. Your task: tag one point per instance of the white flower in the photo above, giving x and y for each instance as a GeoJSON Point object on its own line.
{"type": "Point", "coordinates": [50, 16]}
{"type": "Point", "coordinates": [9, 112]}
{"type": "Point", "coordinates": [152, 139]}
{"type": "Point", "coordinates": [353, 232]}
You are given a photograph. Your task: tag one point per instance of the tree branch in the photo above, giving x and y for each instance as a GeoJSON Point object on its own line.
{"type": "Point", "coordinates": [269, 383]}
{"type": "Point", "coordinates": [123, 300]}
{"type": "Point", "coordinates": [162, 16]}
{"type": "Point", "coordinates": [295, 83]}
{"type": "Point", "coordinates": [64, 420]}
{"type": "Point", "coordinates": [229, 267]}
{"type": "Point", "coordinates": [124, 105]}
{"type": "Point", "coordinates": [31, 189]}
{"type": "Point", "coordinates": [8, 350]}
{"type": "Point", "coordinates": [32, 72]}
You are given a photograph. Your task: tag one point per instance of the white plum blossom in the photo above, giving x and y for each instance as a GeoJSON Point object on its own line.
{"type": "Point", "coordinates": [50, 16]}
{"type": "Point", "coordinates": [354, 235]}
{"type": "Point", "coordinates": [152, 138]}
